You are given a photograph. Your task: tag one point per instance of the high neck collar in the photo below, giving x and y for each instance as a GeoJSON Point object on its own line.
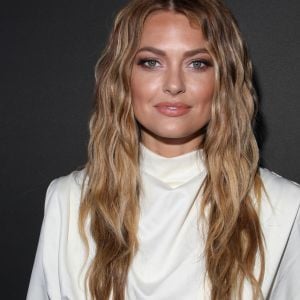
{"type": "Point", "coordinates": [173, 171]}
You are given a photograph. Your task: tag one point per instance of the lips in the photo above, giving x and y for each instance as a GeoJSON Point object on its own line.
{"type": "Point", "coordinates": [172, 109]}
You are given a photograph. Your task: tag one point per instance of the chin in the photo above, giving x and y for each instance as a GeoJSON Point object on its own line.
{"type": "Point", "coordinates": [176, 136]}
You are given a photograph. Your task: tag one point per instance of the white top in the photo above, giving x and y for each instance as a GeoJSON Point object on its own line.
{"type": "Point", "coordinates": [169, 263]}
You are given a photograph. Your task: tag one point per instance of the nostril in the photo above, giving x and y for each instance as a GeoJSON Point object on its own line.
{"type": "Point", "coordinates": [174, 90]}
{"type": "Point", "coordinates": [174, 84]}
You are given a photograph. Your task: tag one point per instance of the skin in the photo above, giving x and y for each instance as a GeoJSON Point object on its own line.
{"type": "Point", "coordinates": [172, 65]}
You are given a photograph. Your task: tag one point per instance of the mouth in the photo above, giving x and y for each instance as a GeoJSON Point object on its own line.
{"type": "Point", "coordinates": [172, 109]}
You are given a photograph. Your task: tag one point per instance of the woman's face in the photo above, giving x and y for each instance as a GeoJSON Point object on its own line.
{"type": "Point", "coordinates": [172, 82]}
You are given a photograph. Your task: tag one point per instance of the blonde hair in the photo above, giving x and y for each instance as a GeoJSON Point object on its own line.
{"type": "Point", "coordinates": [111, 199]}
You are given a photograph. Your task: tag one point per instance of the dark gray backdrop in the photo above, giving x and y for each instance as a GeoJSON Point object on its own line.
{"type": "Point", "coordinates": [48, 51]}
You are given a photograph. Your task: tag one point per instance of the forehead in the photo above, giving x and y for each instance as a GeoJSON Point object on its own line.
{"type": "Point", "coordinates": [163, 27]}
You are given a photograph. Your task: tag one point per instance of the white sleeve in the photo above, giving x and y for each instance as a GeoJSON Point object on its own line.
{"type": "Point", "coordinates": [44, 285]}
{"type": "Point", "coordinates": [287, 284]}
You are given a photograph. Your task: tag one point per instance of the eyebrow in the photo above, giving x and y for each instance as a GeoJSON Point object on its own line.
{"type": "Point", "coordinates": [162, 53]}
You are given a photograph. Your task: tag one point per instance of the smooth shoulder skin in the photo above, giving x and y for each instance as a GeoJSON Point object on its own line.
{"type": "Point", "coordinates": [58, 273]}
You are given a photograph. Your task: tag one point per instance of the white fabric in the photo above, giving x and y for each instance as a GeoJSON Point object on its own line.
{"type": "Point", "coordinates": [169, 263]}
{"type": "Point", "coordinates": [172, 171]}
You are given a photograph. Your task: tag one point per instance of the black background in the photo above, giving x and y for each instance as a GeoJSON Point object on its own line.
{"type": "Point", "coordinates": [48, 51]}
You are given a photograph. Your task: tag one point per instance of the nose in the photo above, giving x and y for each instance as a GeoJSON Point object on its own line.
{"type": "Point", "coordinates": [174, 82]}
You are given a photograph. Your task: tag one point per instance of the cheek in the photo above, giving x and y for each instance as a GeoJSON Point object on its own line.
{"type": "Point", "coordinates": [139, 95]}
{"type": "Point", "coordinates": [204, 88]}
{"type": "Point", "coordinates": [143, 88]}
{"type": "Point", "coordinates": [203, 94]}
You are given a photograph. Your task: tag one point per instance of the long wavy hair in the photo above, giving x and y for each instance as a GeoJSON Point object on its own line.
{"type": "Point", "coordinates": [231, 191]}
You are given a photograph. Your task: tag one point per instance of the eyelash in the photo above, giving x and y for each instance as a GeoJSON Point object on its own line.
{"type": "Point", "coordinates": [144, 61]}
{"type": "Point", "coordinates": [205, 63]}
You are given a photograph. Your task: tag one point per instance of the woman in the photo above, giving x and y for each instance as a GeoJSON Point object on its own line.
{"type": "Point", "coordinates": [171, 204]}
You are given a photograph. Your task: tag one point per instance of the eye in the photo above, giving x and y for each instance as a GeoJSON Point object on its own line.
{"type": "Point", "coordinates": [200, 64]}
{"type": "Point", "coordinates": [149, 63]}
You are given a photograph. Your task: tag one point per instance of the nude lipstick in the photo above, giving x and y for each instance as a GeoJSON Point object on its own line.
{"type": "Point", "coordinates": [172, 109]}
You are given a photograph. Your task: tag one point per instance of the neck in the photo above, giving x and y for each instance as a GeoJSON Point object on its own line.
{"type": "Point", "coordinates": [171, 147]}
